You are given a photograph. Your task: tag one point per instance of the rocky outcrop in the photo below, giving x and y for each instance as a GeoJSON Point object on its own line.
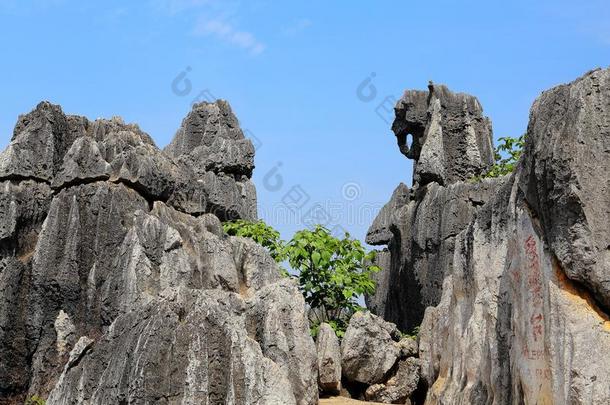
{"type": "Point", "coordinates": [451, 144]}
{"type": "Point", "coordinates": [329, 360]}
{"type": "Point", "coordinates": [117, 283]}
{"type": "Point", "coordinates": [376, 359]}
{"type": "Point", "coordinates": [522, 316]}
{"type": "Point", "coordinates": [450, 138]}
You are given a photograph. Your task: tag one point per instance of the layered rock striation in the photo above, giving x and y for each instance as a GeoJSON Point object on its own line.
{"type": "Point", "coordinates": [520, 314]}
{"type": "Point", "coordinates": [117, 283]}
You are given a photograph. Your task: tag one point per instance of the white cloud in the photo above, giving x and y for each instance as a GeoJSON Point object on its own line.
{"type": "Point", "coordinates": [225, 31]}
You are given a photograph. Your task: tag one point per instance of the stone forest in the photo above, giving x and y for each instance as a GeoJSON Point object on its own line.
{"type": "Point", "coordinates": [119, 283]}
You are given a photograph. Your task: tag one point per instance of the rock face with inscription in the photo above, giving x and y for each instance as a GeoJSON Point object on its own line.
{"type": "Point", "coordinates": [117, 282]}
{"type": "Point", "coordinates": [522, 314]}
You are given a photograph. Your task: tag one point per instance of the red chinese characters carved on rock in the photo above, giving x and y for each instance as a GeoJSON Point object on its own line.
{"type": "Point", "coordinates": [534, 284]}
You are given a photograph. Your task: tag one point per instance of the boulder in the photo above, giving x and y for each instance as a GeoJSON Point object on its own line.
{"type": "Point", "coordinates": [329, 360]}
{"type": "Point", "coordinates": [398, 389]}
{"type": "Point", "coordinates": [369, 349]}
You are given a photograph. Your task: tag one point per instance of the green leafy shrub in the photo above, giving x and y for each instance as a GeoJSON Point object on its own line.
{"type": "Point", "coordinates": [261, 233]}
{"type": "Point", "coordinates": [413, 334]}
{"type": "Point", "coordinates": [506, 156]}
{"type": "Point", "coordinates": [332, 274]}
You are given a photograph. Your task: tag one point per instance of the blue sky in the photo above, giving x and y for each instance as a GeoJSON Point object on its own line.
{"type": "Point", "coordinates": [291, 72]}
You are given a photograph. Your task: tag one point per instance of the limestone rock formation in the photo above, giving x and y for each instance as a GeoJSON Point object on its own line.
{"type": "Point", "coordinates": [399, 388]}
{"type": "Point", "coordinates": [117, 283]}
{"type": "Point", "coordinates": [451, 140]}
{"type": "Point", "coordinates": [377, 359]}
{"type": "Point", "coordinates": [520, 314]}
{"type": "Point", "coordinates": [369, 348]}
{"type": "Point", "coordinates": [329, 360]}
{"type": "Point", "coordinates": [420, 231]}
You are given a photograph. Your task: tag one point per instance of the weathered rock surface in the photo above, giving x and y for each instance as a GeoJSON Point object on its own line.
{"type": "Point", "coordinates": [369, 348]}
{"type": "Point", "coordinates": [451, 140]}
{"type": "Point", "coordinates": [420, 237]}
{"type": "Point", "coordinates": [329, 360]}
{"type": "Point", "coordinates": [522, 315]}
{"type": "Point", "coordinates": [377, 361]}
{"type": "Point", "coordinates": [451, 143]}
{"type": "Point", "coordinates": [117, 283]}
{"type": "Point", "coordinates": [398, 389]}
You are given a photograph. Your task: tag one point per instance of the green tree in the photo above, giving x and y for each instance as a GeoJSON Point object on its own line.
{"type": "Point", "coordinates": [506, 156]}
{"type": "Point", "coordinates": [332, 274]}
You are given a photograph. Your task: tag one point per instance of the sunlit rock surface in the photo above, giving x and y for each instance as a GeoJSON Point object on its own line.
{"type": "Point", "coordinates": [117, 283]}
{"type": "Point", "coordinates": [521, 311]}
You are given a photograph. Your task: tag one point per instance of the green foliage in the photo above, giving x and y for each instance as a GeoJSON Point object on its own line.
{"type": "Point", "coordinates": [332, 274]}
{"type": "Point", "coordinates": [35, 400]}
{"type": "Point", "coordinates": [261, 233]}
{"type": "Point", "coordinates": [506, 156]}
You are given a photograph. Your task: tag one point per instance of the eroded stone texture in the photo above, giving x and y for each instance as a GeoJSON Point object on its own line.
{"type": "Point", "coordinates": [187, 346]}
{"type": "Point", "coordinates": [369, 349]}
{"type": "Point", "coordinates": [522, 315]}
{"type": "Point", "coordinates": [23, 208]}
{"type": "Point", "coordinates": [420, 249]}
{"type": "Point", "coordinates": [565, 177]}
{"type": "Point", "coordinates": [117, 282]}
{"type": "Point", "coordinates": [398, 389]}
{"type": "Point", "coordinates": [451, 140]}
{"type": "Point", "coordinates": [329, 360]}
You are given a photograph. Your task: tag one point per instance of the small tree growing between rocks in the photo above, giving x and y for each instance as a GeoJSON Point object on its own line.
{"type": "Point", "coordinates": [332, 272]}
{"type": "Point", "coordinates": [261, 233]}
{"type": "Point", "coordinates": [506, 156]}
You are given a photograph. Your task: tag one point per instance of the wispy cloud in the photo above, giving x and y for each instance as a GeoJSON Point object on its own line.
{"type": "Point", "coordinates": [214, 18]}
{"type": "Point", "coordinates": [226, 32]}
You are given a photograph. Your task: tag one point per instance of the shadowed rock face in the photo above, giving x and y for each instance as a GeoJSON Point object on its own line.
{"type": "Point", "coordinates": [523, 312]}
{"type": "Point", "coordinates": [117, 283]}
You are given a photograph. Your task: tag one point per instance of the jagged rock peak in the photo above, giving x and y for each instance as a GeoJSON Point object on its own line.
{"type": "Point", "coordinates": [63, 150]}
{"type": "Point", "coordinates": [451, 140]}
{"type": "Point", "coordinates": [210, 139]}
{"type": "Point", "coordinates": [206, 122]}
{"type": "Point", "coordinates": [117, 282]}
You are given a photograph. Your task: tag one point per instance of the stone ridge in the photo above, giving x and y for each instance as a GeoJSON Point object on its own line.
{"type": "Point", "coordinates": [48, 146]}
{"type": "Point", "coordinates": [117, 282]}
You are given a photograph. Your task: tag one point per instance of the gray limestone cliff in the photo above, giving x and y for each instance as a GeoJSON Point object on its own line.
{"type": "Point", "coordinates": [117, 283]}
{"type": "Point", "coordinates": [509, 277]}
